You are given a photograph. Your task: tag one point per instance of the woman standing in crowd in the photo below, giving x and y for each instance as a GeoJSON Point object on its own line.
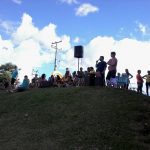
{"type": "Point", "coordinates": [147, 77]}
{"type": "Point", "coordinates": [128, 76]}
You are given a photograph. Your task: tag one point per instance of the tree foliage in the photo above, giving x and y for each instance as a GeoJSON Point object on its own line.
{"type": "Point", "coordinates": [7, 67]}
{"type": "Point", "coordinates": [5, 72]}
{"type": "Point", "coordinates": [5, 76]}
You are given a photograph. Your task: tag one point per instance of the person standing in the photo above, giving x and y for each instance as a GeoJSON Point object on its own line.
{"type": "Point", "coordinates": [14, 76]}
{"type": "Point", "coordinates": [81, 77]}
{"type": "Point", "coordinates": [112, 66]}
{"type": "Point", "coordinates": [100, 71]}
{"type": "Point", "coordinates": [139, 81]}
{"type": "Point", "coordinates": [92, 77]}
{"type": "Point", "coordinates": [128, 75]}
{"type": "Point", "coordinates": [147, 77]}
{"type": "Point", "coordinates": [67, 73]}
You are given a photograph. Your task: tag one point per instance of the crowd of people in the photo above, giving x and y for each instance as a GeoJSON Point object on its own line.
{"type": "Point", "coordinates": [90, 77]}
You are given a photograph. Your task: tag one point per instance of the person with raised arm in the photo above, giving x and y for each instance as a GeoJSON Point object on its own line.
{"type": "Point", "coordinates": [128, 75]}
{"type": "Point", "coordinates": [100, 71]}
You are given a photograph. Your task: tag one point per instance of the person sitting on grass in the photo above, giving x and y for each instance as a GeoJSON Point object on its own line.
{"type": "Point", "coordinates": [75, 78]}
{"type": "Point", "coordinates": [34, 82]}
{"type": "Point", "coordinates": [67, 73]}
{"type": "Point", "coordinates": [23, 87]}
{"type": "Point", "coordinates": [51, 80]}
{"type": "Point", "coordinates": [58, 81]}
{"type": "Point", "coordinates": [43, 83]}
{"type": "Point", "coordinates": [67, 81]}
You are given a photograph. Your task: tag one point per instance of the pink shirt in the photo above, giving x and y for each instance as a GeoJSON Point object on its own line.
{"type": "Point", "coordinates": [139, 78]}
{"type": "Point", "coordinates": [112, 64]}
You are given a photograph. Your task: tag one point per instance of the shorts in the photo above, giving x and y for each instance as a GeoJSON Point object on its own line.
{"type": "Point", "coordinates": [13, 81]}
{"type": "Point", "coordinates": [111, 74]}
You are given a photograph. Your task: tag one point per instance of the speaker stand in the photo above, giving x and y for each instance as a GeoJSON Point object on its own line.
{"type": "Point", "coordinates": [78, 64]}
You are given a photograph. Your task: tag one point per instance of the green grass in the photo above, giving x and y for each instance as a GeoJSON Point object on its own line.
{"type": "Point", "coordinates": [74, 119]}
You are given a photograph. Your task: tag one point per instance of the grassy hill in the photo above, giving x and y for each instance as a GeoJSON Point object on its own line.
{"type": "Point", "coordinates": [74, 119]}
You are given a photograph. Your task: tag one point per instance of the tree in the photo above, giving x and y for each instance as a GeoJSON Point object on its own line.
{"type": "Point", "coordinates": [7, 67]}
{"type": "Point", "coordinates": [5, 73]}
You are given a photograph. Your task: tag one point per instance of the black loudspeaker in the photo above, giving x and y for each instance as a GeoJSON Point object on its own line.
{"type": "Point", "coordinates": [78, 51]}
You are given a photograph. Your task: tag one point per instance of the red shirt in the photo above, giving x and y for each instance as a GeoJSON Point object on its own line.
{"type": "Point", "coordinates": [139, 78]}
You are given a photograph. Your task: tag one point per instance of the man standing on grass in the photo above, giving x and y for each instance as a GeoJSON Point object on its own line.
{"type": "Point", "coordinates": [112, 68]}
{"type": "Point", "coordinates": [139, 81]}
{"type": "Point", "coordinates": [14, 76]}
{"type": "Point", "coordinates": [100, 71]}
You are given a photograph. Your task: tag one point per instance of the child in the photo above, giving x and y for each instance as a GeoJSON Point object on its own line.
{"type": "Point", "coordinates": [139, 81]}
{"type": "Point", "coordinates": [119, 80]}
{"type": "Point", "coordinates": [147, 77]}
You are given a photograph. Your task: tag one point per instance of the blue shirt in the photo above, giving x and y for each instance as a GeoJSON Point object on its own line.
{"type": "Point", "coordinates": [15, 74]}
{"type": "Point", "coordinates": [101, 66]}
{"type": "Point", "coordinates": [25, 84]}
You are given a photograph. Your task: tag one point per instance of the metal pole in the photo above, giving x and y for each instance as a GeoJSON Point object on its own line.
{"type": "Point", "coordinates": [56, 48]}
{"type": "Point", "coordinates": [55, 66]}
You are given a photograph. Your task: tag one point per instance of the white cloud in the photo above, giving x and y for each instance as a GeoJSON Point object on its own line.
{"type": "Point", "coordinates": [6, 51]}
{"type": "Point", "coordinates": [85, 9]}
{"type": "Point", "coordinates": [70, 1]}
{"type": "Point", "coordinates": [7, 26]}
{"type": "Point", "coordinates": [76, 40]}
{"type": "Point", "coordinates": [30, 47]}
{"type": "Point", "coordinates": [26, 30]}
{"type": "Point", "coordinates": [131, 53]}
{"type": "Point", "coordinates": [17, 1]}
{"type": "Point", "coordinates": [144, 29]}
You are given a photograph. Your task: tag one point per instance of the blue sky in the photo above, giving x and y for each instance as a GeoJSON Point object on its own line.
{"type": "Point", "coordinates": [86, 22]}
{"type": "Point", "coordinates": [108, 20]}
